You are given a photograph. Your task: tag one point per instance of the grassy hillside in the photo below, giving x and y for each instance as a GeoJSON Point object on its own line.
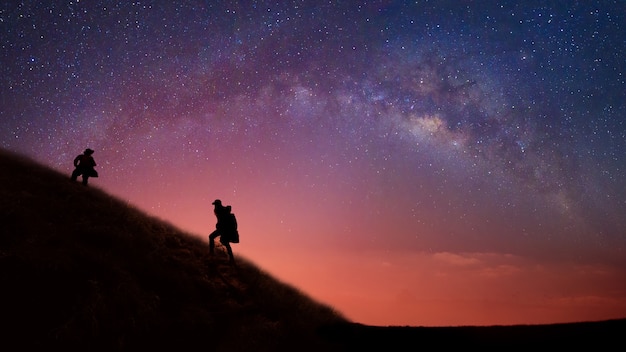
{"type": "Point", "coordinates": [81, 270]}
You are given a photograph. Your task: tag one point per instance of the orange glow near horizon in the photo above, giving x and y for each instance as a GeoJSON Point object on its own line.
{"type": "Point", "coordinates": [417, 288]}
{"type": "Point", "coordinates": [445, 289]}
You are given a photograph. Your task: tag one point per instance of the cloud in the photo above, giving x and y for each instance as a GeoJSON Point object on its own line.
{"type": "Point", "coordinates": [456, 259]}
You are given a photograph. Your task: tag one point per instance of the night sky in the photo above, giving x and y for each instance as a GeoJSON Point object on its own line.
{"type": "Point", "coordinates": [405, 162]}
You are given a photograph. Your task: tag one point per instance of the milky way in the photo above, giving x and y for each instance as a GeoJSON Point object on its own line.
{"type": "Point", "coordinates": [486, 135]}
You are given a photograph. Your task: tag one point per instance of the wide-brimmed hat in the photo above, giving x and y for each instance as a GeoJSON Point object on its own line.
{"type": "Point", "coordinates": [88, 151]}
{"type": "Point", "coordinates": [217, 201]}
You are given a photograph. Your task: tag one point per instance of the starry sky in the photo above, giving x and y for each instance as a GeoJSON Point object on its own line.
{"type": "Point", "coordinates": [415, 163]}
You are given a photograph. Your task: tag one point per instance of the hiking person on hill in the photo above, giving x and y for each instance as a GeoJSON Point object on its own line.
{"type": "Point", "coordinates": [84, 165]}
{"type": "Point", "coordinates": [225, 229]}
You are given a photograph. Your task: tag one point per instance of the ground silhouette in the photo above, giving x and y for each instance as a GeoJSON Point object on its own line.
{"type": "Point", "coordinates": [82, 270]}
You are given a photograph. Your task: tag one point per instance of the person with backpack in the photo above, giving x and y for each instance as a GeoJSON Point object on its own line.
{"type": "Point", "coordinates": [225, 229]}
{"type": "Point", "coordinates": [84, 165]}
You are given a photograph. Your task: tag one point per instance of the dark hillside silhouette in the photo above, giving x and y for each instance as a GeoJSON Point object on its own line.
{"type": "Point", "coordinates": [82, 270]}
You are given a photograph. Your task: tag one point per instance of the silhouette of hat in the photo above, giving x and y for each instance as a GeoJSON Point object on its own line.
{"type": "Point", "coordinates": [88, 151]}
{"type": "Point", "coordinates": [217, 201]}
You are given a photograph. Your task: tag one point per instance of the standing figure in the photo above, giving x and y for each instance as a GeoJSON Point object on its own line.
{"type": "Point", "coordinates": [84, 165]}
{"type": "Point", "coordinates": [225, 228]}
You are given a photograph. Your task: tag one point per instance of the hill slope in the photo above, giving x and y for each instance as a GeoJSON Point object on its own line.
{"type": "Point", "coordinates": [81, 270]}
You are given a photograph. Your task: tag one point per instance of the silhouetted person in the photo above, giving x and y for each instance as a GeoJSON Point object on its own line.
{"type": "Point", "coordinates": [225, 229]}
{"type": "Point", "coordinates": [84, 165]}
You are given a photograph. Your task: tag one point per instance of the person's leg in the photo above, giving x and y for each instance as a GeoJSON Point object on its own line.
{"type": "Point", "coordinates": [231, 258]}
{"type": "Point", "coordinates": [212, 237]}
{"type": "Point", "coordinates": [75, 174]}
{"type": "Point", "coordinates": [85, 177]}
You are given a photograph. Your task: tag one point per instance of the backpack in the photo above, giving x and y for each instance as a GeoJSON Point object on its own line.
{"type": "Point", "coordinates": [230, 225]}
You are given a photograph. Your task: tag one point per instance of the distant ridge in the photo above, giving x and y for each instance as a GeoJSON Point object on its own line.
{"type": "Point", "coordinates": [83, 271]}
